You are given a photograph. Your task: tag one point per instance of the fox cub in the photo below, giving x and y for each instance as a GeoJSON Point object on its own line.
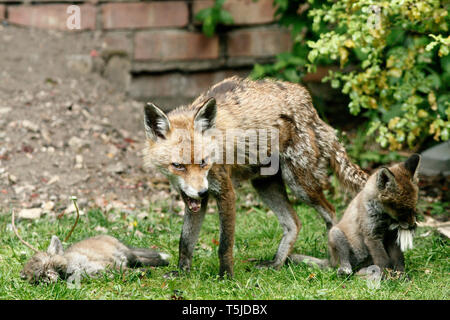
{"type": "Point", "coordinates": [86, 258]}
{"type": "Point", "coordinates": [379, 223]}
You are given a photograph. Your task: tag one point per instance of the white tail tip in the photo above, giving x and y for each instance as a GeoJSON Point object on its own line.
{"type": "Point", "coordinates": [164, 256]}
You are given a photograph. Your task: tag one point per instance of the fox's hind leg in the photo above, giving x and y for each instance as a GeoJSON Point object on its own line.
{"type": "Point", "coordinates": [272, 191]}
{"type": "Point", "coordinates": [308, 189]}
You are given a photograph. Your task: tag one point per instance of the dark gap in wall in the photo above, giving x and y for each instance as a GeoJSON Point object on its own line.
{"type": "Point", "coordinates": [185, 72]}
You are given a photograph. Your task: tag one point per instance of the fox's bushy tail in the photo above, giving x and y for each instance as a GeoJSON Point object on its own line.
{"type": "Point", "coordinates": [350, 175]}
{"type": "Point", "coordinates": [146, 257]}
{"type": "Point", "coordinates": [311, 261]}
{"type": "Point", "coordinates": [333, 154]}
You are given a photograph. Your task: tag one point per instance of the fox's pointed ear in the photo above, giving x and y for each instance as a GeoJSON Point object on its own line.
{"type": "Point", "coordinates": [206, 116]}
{"type": "Point", "coordinates": [412, 164]}
{"type": "Point", "coordinates": [385, 179]}
{"type": "Point", "coordinates": [55, 246]}
{"type": "Point", "coordinates": [156, 122]}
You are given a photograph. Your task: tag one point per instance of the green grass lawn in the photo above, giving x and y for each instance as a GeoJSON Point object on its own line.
{"type": "Point", "coordinates": [257, 237]}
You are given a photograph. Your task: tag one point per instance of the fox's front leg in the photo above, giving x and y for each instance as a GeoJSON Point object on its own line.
{"type": "Point", "coordinates": [189, 235]}
{"type": "Point", "coordinates": [377, 252]}
{"type": "Point", "coordinates": [226, 202]}
{"type": "Point", "coordinates": [397, 259]}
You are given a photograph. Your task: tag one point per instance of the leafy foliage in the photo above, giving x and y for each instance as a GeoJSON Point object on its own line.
{"type": "Point", "coordinates": [211, 17]}
{"type": "Point", "coordinates": [292, 66]}
{"type": "Point", "coordinates": [393, 56]}
{"type": "Point", "coordinates": [359, 151]}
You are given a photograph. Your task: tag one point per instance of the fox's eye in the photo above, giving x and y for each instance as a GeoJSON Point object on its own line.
{"type": "Point", "coordinates": [178, 166]}
{"type": "Point", "coordinates": [204, 163]}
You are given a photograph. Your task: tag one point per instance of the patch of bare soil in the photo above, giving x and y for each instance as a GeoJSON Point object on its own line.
{"type": "Point", "coordinates": [64, 130]}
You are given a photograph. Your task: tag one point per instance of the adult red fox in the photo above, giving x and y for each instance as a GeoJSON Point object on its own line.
{"type": "Point", "coordinates": [181, 146]}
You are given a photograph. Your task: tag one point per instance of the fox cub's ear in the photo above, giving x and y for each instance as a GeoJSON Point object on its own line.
{"type": "Point", "coordinates": [55, 246]}
{"type": "Point", "coordinates": [412, 164]}
{"type": "Point", "coordinates": [206, 116]}
{"type": "Point", "coordinates": [385, 179]}
{"type": "Point", "coordinates": [156, 122]}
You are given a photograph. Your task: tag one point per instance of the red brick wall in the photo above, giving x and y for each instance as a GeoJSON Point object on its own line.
{"type": "Point", "coordinates": [173, 45]}
{"type": "Point", "coordinates": [163, 41]}
{"type": "Point", "coordinates": [138, 15]}
{"type": "Point", "coordinates": [50, 16]}
{"type": "Point", "coordinates": [2, 12]}
{"type": "Point", "coordinates": [244, 12]}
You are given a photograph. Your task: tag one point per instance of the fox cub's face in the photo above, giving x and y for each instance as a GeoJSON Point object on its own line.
{"type": "Point", "coordinates": [398, 191]}
{"type": "Point", "coordinates": [180, 149]}
{"type": "Point", "coordinates": [44, 266]}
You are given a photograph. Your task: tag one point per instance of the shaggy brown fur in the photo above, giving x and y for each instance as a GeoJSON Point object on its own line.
{"type": "Point", "coordinates": [370, 232]}
{"type": "Point", "coordinates": [305, 149]}
{"type": "Point", "coordinates": [87, 258]}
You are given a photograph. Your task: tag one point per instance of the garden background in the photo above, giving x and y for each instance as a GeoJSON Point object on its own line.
{"type": "Point", "coordinates": [71, 124]}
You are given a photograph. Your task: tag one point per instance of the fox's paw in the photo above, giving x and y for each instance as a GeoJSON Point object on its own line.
{"type": "Point", "coordinates": [344, 271]}
{"type": "Point", "coordinates": [269, 264]}
{"type": "Point", "coordinates": [390, 274]}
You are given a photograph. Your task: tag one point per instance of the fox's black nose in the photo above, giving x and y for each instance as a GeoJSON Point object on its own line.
{"type": "Point", "coordinates": [202, 193]}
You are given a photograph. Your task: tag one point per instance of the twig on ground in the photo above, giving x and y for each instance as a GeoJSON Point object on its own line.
{"type": "Point", "coordinates": [74, 199]}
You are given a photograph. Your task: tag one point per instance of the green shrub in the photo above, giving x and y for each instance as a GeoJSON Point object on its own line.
{"type": "Point", "coordinates": [211, 17]}
{"type": "Point", "coordinates": [292, 66]}
{"type": "Point", "coordinates": [393, 56]}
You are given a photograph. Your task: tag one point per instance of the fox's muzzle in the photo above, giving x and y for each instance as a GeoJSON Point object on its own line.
{"type": "Point", "coordinates": [193, 204]}
{"type": "Point", "coordinates": [202, 193]}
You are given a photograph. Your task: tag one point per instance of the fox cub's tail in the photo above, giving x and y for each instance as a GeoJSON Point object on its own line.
{"type": "Point", "coordinates": [138, 257]}
{"type": "Point", "coordinates": [311, 261]}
